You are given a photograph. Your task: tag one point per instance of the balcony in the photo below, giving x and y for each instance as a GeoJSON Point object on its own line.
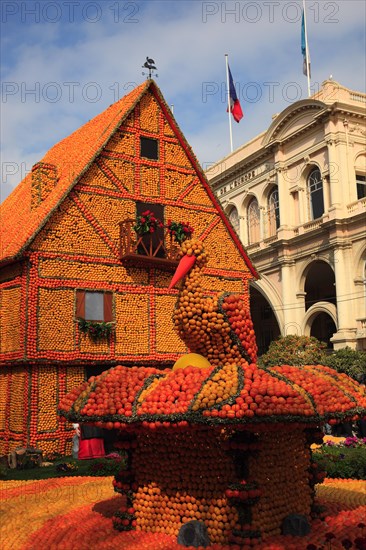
{"type": "Point", "coordinates": [356, 207]}
{"type": "Point", "coordinates": [156, 249]}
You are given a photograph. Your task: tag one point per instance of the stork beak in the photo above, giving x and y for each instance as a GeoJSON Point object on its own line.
{"type": "Point", "coordinates": [186, 263]}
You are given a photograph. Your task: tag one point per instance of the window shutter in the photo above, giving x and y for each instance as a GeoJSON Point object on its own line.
{"type": "Point", "coordinates": [80, 304]}
{"type": "Point", "coordinates": [108, 311]}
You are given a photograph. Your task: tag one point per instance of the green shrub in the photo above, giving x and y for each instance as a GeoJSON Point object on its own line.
{"type": "Point", "coordinates": [343, 460]}
{"type": "Point", "coordinates": [294, 350]}
{"type": "Point", "coordinates": [348, 361]}
{"type": "Point", "coordinates": [107, 466]}
{"type": "Point", "coordinates": [3, 471]}
{"type": "Point", "coordinates": [66, 467]}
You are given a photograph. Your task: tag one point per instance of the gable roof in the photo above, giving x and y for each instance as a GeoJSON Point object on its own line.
{"type": "Point", "coordinates": [307, 109]}
{"type": "Point", "coordinates": [72, 156]}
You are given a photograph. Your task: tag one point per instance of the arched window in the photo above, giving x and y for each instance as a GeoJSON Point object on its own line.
{"type": "Point", "coordinates": [253, 222]}
{"type": "Point", "coordinates": [323, 328]}
{"type": "Point", "coordinates": [361, 186]}
{"type": "Point", "coordinates": [234, 219]}
{"type": "Point", "coordinates": [273, 212]}
{"type": "Point", "coordinates": [315, 190]}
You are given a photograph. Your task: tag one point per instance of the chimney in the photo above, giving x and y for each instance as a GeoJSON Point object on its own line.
{"type": "Point", "coordinates": [44, 179]}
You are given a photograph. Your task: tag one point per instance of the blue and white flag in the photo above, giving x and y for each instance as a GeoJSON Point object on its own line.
{"type": "Point", "coordinates": [306, 62]}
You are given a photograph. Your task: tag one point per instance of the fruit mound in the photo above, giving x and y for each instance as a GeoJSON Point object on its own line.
{"type": "Point", "coordinates": [231, 394]}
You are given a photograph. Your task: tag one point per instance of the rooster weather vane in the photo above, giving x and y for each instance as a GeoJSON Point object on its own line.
{"type": "Point", "coordinates": [149, 64]}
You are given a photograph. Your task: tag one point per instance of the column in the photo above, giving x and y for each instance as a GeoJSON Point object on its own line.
{"type": "Point", "coordinates": [335, 176]}
{"type": "Point", "coordinates": [292, 315]}
{"type": "Point", "coordinates": [326, 193]}
{"type": "Point", "coordinates": [346, 334]}
{"type": "Point", "coordinates": [262, 222]}
{"type": "Point", "coordinates": [243, 229]}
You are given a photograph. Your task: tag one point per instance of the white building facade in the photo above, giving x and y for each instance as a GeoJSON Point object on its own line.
{"type": "Point", "coordinates": [296, 195]}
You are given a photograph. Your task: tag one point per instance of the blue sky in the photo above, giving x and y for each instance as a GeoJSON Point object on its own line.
{"type": "Point", "coordinates": [63, 62]}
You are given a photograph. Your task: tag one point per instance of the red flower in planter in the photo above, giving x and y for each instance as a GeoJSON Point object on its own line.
{"type": "Point", "coordinates": [147, 223]}
{"type": "Point", "coordinates": [180, 230]}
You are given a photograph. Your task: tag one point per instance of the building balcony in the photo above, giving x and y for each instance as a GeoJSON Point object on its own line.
{"type": "Point", "coordinates": [356, 207]}
{"type": "Point", "coordinates": [156, 249]}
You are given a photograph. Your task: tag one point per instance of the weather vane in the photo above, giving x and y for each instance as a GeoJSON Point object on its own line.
{"type": "Point", "coordinates": [150, 64]}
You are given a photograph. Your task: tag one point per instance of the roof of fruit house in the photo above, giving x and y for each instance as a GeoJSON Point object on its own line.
{"type": "Point", "coordinates": [69, 159]}
{"type": "Point", "coordinates": [224, 394]}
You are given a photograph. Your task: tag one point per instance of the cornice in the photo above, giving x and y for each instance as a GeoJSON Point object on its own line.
{"type": "Point", "coordinates": [345, 109]}
{"type": "Point", "coordinates": [241, 166]}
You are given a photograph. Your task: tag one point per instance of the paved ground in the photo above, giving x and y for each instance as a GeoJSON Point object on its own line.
{"type": "Point", "coordinates": [75, 514]}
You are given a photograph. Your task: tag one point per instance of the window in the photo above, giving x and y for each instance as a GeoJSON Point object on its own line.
{"type": "Point", "coordinates": [149, 148]}
{"type": "Point", "coordinates": [315, 190]}
{"type": "Point", "coordinates": [253, 222]}
{"type": "Point", "coordinates": [273, 212]}
{"type": "Point", "coordinates": [234, 219]}
{"type": "Point", "coordinates": [94, 306]}
{"type": "Point", "coordinates": [361, 186]}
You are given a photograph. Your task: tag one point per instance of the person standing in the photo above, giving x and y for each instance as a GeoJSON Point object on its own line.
{"type": "Point", "coordinates": [75, 441]}
{"type": "Point", "coordinates": [91, 443]}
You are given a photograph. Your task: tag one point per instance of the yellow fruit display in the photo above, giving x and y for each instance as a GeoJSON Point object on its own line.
{"type": "Point", "coordinates": [192, 359]}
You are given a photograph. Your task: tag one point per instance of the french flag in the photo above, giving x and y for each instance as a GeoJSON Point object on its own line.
{"type": "Point", "coordinates": [235, 107]}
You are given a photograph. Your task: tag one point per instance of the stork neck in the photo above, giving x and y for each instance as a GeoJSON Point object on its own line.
{"type": "Point", "coordinates": [193, 279]}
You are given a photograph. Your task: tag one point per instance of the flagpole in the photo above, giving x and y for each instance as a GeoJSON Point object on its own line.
{"type": "Point", "coordinates": [306, 50]}
{"type": "Point", "coordinates": [228, 102]}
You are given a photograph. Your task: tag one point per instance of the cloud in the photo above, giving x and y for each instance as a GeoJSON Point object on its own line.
{"type": "Point", "coordinates": [68, 66]}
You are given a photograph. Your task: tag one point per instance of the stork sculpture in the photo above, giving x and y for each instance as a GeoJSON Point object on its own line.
{"type": "Point", "coordinates": [218, 327]}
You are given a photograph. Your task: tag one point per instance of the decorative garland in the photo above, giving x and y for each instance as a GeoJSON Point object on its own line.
{"type": "Point", "coordinates": [97, 330]}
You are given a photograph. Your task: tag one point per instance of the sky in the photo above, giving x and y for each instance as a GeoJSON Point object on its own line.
{"type": "Point", "coordinates": [65, 61]}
